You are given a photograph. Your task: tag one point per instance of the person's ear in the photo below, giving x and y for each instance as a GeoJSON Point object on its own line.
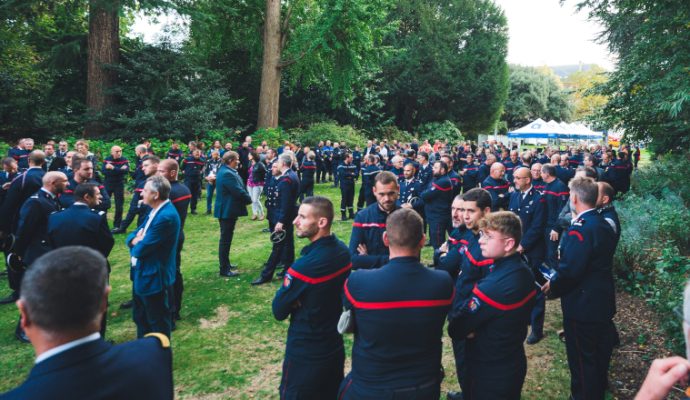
{"type": "Point", "coordinates": [510, 245]}
{"type": "Point", "coordinates": [24, 319]}
{"type": "Point", "coordinates": [422, 242]}
{"type": "Point", "coordinates": [386, 242]}
{"type": "Point", "coordinates": [104, 303]}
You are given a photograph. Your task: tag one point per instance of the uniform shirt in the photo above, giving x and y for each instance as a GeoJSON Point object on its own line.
{"type": "Point", "coordinates": [21, 188]}
{"type": "Point", "coordinates": [473, 267]}
{"type": "Point", "coordinates": [530, 207]}
{"type": "Point", "coordinates": [497, 312]}
{"type": "Point", "coordinates": [399, 312]}
{"type": "Point", "coordinates": [438, 198]}
{"type": "Point", "coordinates": [470, 179]}
{"type": "Point", "coordinates": [347, 174]}
{"type": "Point", "coordinates": [307, 170]}
{"type": "Point", "coordinates": [368, 177]}
{"type": "Point", "coordinates": [538, 184]}
{"type": "Point", "coordinates": [510, 168]}
{"type": "Point", "coordinates": [483, 173]}
{"type": "Point", "coordinates": [79, 225]}
{"type": "Point", "coordinates": [556, 195]}
{"type": "Point", "coordinates": [583, 278]}
{"type": "Point", "coordinates": [117, 175]}
{"type": "Point", "coordinates": [287, 192]}
{"type": "Point", "coordinates": [212, 165]}
{"type": "Point", "coordinates": [564, 174]}
{"type": "Point", "coordinates": [367, 229]}
{"type": "Point", "coordinates": [611, 216]}
{"type": "Point", "coordinates": [498, 189]}
{"type": "Point", "coordinates": [32, 240]}
{"type": "Point", "coordinates": [451, 261]}
{"type": "Point", "coordinates": [410, 190]}
{"type": "Point", "coordinates": [67, 196]}
{"type": "Point", "coordinates": [425, 174]}
{"type": "Point", "coordinates": [455, 181]}
{"type": "Point", "coordinates": [192, 168]}
{"type": "Point", "coordinates": [180, 197]}
{"type": "Point", "coordinates": [311, 297]}
{"type": "Point", "coordinates": [176, 155]}
{"type": "Point", "coordinates": [21, 156]}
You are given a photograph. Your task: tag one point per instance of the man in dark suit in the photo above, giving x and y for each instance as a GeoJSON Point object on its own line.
{"type": "Point", "coordinates": [152, 247]}
{"type": "Point", "coordinates": [72, 360]}
{"type": "Point", "coordinates": [231, 202]}
{"type": "Point", "coordinates": [80, 224]}
{"type": "Point", "coordinates": [287, 192]}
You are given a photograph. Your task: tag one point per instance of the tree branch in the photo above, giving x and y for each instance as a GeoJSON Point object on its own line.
{"type": "Point", "coordinates": [284, 31]}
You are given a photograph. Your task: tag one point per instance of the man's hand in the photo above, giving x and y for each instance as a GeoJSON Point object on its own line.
{"type": "Point", "coordinates": [520, 249]}
{"type": "Point", "coordinates": [278, 227]}
{"type": "Point", "coordinates": [662, 375]}
{"type": "Point", "coordinates": [546, 289]}
{"type": "Point", "coordinates": [109, 166]}
{"type": "Point", "coordinates": [553, 236]}
{"type": "Point", "coordinates": [362, 249]}
{"type": "Point", "coordinates": [138, 238]}
{"type": "Point", "coordinates": [406, 205]}
{"type": "Point", "coordinates": [443, 248]}
{"type": "Point", "coordinates": [124, 167]}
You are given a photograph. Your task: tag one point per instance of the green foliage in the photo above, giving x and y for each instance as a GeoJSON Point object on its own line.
{"type": "Point", "coordinates": [447, 63]}
{"type": "Point", "coordinates": [444, 131]}
{"type": "Point", "coordinates": [274, 137]}
{"type": "Point", "coordinates": [649, 91]}
{"type": "Point", "coordinates": [535, 93]}
{"type": "Point", "coordinates": [391, 133]}
{"type": "Point", "coordinates": [668, 174]}
{"type": "Point", "coordinates": [323, 131]}
{"type": "Point", "coordinates": [652, 256]}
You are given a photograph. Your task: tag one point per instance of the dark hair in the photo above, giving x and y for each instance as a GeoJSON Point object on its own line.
{"type": "Point", "coordinates": [386, 178]}
{"type": "Point", "coordinates": [152, 158]}
{"type": "Point", "coordinates": [443, 165]}
{"type": "Point", "coordinates": [230, 156]}
{"type": "Point", "coordinates": [607, 190]}
{"type": "Point", "coordinates": [255, 156]}
{"type": "Point", "coordinates": [589, 172]}
{"type": "Point", "coordinates": [549, 169]}
{"type": "Point", "coordinates": [424, 155]}
{"type": "Point", "coordinates": [478, 195]}
{"type": "Point", "coordinates": [8, 161]}
{"type": "Point", "coordinates": [322, 207]}
{"type": "Point", "coordinates": [78, 160]}
{"type": "Point", "coordinates": [83, 189]}
{"type": "Point", "coordinates": [404, 228]}
{"type": "Point", "coordinates": [63, 290]}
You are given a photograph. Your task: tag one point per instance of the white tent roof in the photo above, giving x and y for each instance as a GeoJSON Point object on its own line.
{"type": "Point", "coordinates": [539, 129]}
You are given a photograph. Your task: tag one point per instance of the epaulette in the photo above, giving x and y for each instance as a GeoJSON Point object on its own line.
{"type": "Point", "coordinates": [165, 342]}
{"type": "Point", "coordinates": [579, 222]}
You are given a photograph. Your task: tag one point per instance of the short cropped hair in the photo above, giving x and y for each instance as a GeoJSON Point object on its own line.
{"type": "Point", "coordinates": [322, 207]}
{"type": "Point", "coordinates": [230, 156]}
{"type": "Point", "coordinates": [64, 289]}
{"type": "Point", "coordinates": [159, 185]}
{"type": "Point", "coordinates": [424, 155]}
{"type": "Point", "coordinates": [607, 190]}
{"type": "Point", "coordinates": [586, 189]}
{"type": "Point", "coordinates": [505, 222]}
{"type": "Point", "coordinates": [386, 178]}
{"type": "Point", "coordinates": [478, 195]}
{"type": "Point", "coordinates": [549, 169]}
{"type": "Point", "coordinates": [37, 157]}
{"type": "Point", "coordinates": [285, 159]}
{"type": "Point", "coordinates": [404, 228]}
{"type": "Point", "coordinates": [589, 172]}
{"type": "Point", "coordinates": [153, 159]}
{"type": "Point", "coordinates": [77, 161]}
{"type": "Point", "coordinates": [311, 155]}
{"type": "Point", "coordinates": [83, 189]}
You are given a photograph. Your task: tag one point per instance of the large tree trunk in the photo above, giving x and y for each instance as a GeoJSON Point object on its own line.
{"type": "Point", "coordinates": [104, 48]}
{"type": "Point", "coordinates": [269, 96]}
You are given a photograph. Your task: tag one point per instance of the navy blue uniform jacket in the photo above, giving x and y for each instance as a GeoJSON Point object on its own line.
{"type": "Point", "coordinates": [67, 197]}
{"type": "Point", "coordinates": [117, 175]}
{"type": "Point", "coordinates": [584, 278]}
{"type": "Point", "coordinates": [137, 370]}
{"type": "Point", "coordinates": [79, 225]}
{"type": "Point", "coordinates": [470, 179]}
{"type": "Point", "coordinates": [498, 189]}
{"type": "Point", "coordinates": [532, 213]}
{"type": "Point", "coordinates": [399, 311]}
{"type": "Point", "coordinates": [368, 228]}
{"type": "Point", "coordinates": [23, 186]}
{"type": "Point", "coordinates": [155, 268]}
{"type": "Point", "coordinates": [32, 239]}
{"type": "Point", "coordinates": [473, 267]}
{"type": "Point", "coordinates": [231, 196]}
{"type": "Point", "coordinates": [457, 243]}
{"type": "Point", "coordinates": [311, 297]}
{"type": "Point", "coordinates": [556, 195]}
{"type": "Point", "coordinates": [411, 190]}
{"type": "Point", "coordinates": [438, 198]}
{"type": "Point", "coordinates": [287, 190]}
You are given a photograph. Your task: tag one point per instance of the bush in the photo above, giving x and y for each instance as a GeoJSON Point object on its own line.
{"type": "Point", "coordinates": [323, 131]}
{"type": "Point", "coordinates": [274, 137]}
{"type": "Point", "coordinates": [445, 130]}
{"type": "Point", "coordinates": [652, 256]}
{"type": "Point", "coordinates": [392, 132]}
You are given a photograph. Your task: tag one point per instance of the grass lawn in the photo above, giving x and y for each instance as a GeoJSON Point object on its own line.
{"type": "Point", "coordinates": [228, 345]}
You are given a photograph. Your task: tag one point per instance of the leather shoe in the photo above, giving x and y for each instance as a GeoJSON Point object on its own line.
{"type": "Point", "coordinates": [127, 304]}
{"type": "Point", "coordinates": [116, 231]}
{"type": "Point", "coordinates": [534, 339]}
{"type": "Point", "coordinates": [281, 274]}
{"type": "Point", "coordinates": [10, 299]}
{"type": "Point", "coordinates": [454, 396]}
{"type": "Point", "coordinates": [233, 266]}
{"type": "Point", "coordinates": [260, 281]}
{"type": "Point", "coordinates": [228, 274]}
{"type": "Point", "coordinates": [265, 230]}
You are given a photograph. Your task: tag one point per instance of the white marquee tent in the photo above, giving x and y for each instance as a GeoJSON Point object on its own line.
{"type": "Point", "coordinates": [540, 129]}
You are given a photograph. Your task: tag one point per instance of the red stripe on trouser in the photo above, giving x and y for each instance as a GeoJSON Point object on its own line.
{"type": "Point", "coordinates": [342, 394]}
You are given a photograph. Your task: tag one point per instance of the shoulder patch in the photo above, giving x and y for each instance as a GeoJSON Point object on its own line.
{"type": "Point", "coordinates": [165, 342]}
{"type": "Point", "coordinates": [474, 304]}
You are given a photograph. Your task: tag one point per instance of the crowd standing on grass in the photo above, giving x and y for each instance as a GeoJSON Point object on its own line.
{"type": "Point", "coordinates": [508, 229]}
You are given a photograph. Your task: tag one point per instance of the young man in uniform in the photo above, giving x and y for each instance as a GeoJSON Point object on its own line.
{"type": "Point", "coordinates": [115, 169]}
{"type": "Point", "coordinates": [346, 176]}
{"type": "Point", "coordinates": [192, 167]}
{"type": "Point", "coordinates": [399, 311]}
{"type": "Point", "coordinates": [437, 201]}
{"type": "Point", "coordinates": [311, 297]}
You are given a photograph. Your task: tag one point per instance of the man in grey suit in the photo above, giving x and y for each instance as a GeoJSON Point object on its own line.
{"type": "Point", "coordinates": [231, 202]}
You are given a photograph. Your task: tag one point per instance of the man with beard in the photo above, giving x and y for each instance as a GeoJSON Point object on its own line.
{"type": "Point", "coordinates": [83, 173]}
{"type": "Point", "coordinates": [449, 255]}
{"type": "Point", "coordinates": [311, 297]}
{"type": "Point", "coordinates": [366, 242]}
{"type": "Point", "coordinates": [410, 190]}
{"type": "Point", "coordinates": [437, 200]}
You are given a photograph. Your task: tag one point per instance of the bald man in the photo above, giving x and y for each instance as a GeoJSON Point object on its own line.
{"type": "Point", "coordinates": [497, 187]}
{"type": "Point", "coordinates": [115, 170]}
